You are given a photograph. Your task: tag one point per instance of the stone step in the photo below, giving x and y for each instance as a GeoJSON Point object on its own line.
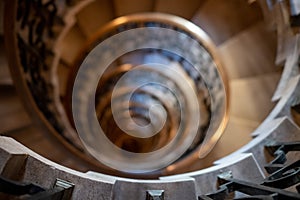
{"type": "Point", "coordinates": [224, 19]}
{"type": "Point", "coordinates": [250, 53]}
{"type": "Point", "coordinates": [237, 133]}
{"type": "Point", "coordinates": [181, 8]}
{"type": "Point", "coordinates": [250, 98]}
{"type": "Point", "coordinates": [12, 114]}
{"type": "Point", "coordinates": [94, 15]}
{"type": "Point", "coordinates": [132, 6]}
{"type": "Point", "coordinates": [5, 78]}
{"type": "Point", "coordinates": [71, 45]}
{"type": "Point", "coordinates": [250, 104]}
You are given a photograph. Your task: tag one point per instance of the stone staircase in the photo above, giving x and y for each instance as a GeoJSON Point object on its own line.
{"type": "Point", "coordinates": [246, 46]}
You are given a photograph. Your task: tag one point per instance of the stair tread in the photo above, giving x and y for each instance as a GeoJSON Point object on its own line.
{"type": "Point", "coordinates": [94, 15]}
{"type": "Point", "coordinates": [243, 16]}
{"type": "Point", "coordinates": [182, 8]}
{"type": "Point", "coordinates": [250, 98]}
{"type": "Point", "coordinates": [237, 129]}
{"type": "Point", "coordinates": [133, 6]}
{"type": "Point", "coordinates": [12, 114]}
{"type": "Point", "coordinates": [14, 121]}
{"type": "Point", "coordinates": [5, 77]}
{"type": "Point", "coordinates": [72, 44]}
{"type": "Point", "coordinates": [250, 103]}
{"type": "Point", "coordinates": [250, 53]}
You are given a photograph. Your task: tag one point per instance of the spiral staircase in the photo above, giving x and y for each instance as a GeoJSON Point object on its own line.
{"type": "Point", "coordinates": [45, 44]}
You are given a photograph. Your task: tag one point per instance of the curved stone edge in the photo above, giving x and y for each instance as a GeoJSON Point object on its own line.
{"type": "Point", "coordinates": [290, 69]}
{"type": "Point", "coordinates": [243, 167]}
{"type": "Point", "coordinates": [92, 185]}
{"type": "Point", "coordinates": [43, 172]}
